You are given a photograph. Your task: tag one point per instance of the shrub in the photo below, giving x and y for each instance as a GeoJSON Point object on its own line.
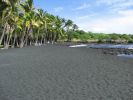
{"type": "Point", "coordinates": [130, 41]}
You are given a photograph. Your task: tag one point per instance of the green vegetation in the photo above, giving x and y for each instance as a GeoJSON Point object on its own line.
{"type": "Point", "coordinates": [21, 25]}
{"type": "Point", "coordinates": [82, 36]}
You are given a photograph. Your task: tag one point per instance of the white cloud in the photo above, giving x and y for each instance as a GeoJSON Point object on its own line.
{"type": "Point", "coordinates": [125, 4]}
{"type": "Point", "coordinates": [58, 9]}
{"type": "Point", "coordinates": [85, 17]}
{"type": "Point", "coordinates": [116, 5]}
{"type": "Point", "coordinates": [118, 19]}
{"type": "Point", "coordinates": [123, 23]}
{"type": "Point", "coordinates": [83, 6]}
{"type": "Point", "coordinates": [127, 12]}
{"type": "Point", "coordinates": [110, 2]}
{"type": "Point", "coordinates": [121, 6]}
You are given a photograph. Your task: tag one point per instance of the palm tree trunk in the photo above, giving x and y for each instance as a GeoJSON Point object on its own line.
{"type": "Point", "coordinates": [3, 33]}
{"type": "Point", "coordinates": [41, 40]}
{"type": "Point", "coordinates": [14, 40]}
{"type": "Point", "coordinates": [6, 46]}
{"type": "Point", "coordinates": [22, 39]}
{"type": "Point", "coordinates": [17, 42]}
{"type": "Point", "coordinates": [22, 42]}
{"type": "Point", "coordinates": [13, 44]}
{"type": "Point", "coordinates": [26, 41]}
{"type": "Point", "coordinates": [30, 41]}
{"type": "Point", "coordinates": [44, 40]}
{"type": "Point", "coordinates": [36, 41]}
{"type": "Point", "coordinates": [8, 38]}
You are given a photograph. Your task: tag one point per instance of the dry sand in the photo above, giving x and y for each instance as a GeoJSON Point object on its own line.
{"type": "Point", "coordinates": [63, 73]}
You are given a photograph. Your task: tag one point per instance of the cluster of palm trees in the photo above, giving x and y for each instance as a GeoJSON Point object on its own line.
{"type": "Point", "coordinates": [21, 25]}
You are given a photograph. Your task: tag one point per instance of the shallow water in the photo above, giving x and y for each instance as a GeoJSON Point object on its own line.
{"type": "Point", "coordinates": [120, 46]}
{"type": "Point", "coordinates": [124, 55]}
{"type": "Point", "coordinates": [108, 46]}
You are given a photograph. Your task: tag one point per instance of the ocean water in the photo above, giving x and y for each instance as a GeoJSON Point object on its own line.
{"type": "Point", "coordinates": [109, 46]}
{"type": "Point", "coordinates": [119, 46]}
{"type": "Point", "coordinates": [126, 56]}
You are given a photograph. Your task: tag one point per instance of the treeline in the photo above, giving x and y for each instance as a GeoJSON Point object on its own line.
{"type": "Point", "coordinates": [82, 36]}
{"type": "Point", "coordinates": [21, 24]}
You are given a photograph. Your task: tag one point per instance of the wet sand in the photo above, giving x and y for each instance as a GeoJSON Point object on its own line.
{"type": "Point", "coordinates": [54, 72]}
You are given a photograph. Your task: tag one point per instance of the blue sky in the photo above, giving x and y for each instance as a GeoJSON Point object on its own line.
{"type": "Point", "coordinates": [93, 15]}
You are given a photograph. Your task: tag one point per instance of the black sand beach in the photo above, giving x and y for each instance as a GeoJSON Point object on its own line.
{"type": "Point", "coordinates": [63, 73]}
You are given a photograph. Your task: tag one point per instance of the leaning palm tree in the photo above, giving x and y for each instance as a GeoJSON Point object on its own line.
{"type": "Point", "coordinates": [11, 29]}
{"type": "Point", "coordinates": [5, 10]}
{"type": "Point", "coordinates": [8, 7]}
{"type": "Point", "coordinates": [21, 24]}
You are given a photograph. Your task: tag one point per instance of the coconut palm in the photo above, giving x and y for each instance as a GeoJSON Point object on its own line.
{"type": "Point", "coordinates": [59, 28]}
{"type": "Point", "coordinates": [29, 21]}
{"type": "Point", "coordinates": [8, 9]}
{"type": "Point", "coordinates": [10, 30]}
{"type": "Point", "coordinates": [74, 27]}
{"type": "Point", "coordinates": [21, 24]}
{"type": "Point", "coordinates": [5, 10]}
{"type": "Point", "coordinates": [43, 26]}
{"type": "Point", "coordinates": [69, 25]}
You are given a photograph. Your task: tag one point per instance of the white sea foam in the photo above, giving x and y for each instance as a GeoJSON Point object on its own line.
{"type": "Point", "coordinates": [76, 46]}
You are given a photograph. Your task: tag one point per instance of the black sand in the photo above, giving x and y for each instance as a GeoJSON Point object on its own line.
{"type": "Point", "coordinates": [63, 73]}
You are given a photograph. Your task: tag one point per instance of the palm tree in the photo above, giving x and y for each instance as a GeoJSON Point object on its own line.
{"type": "Point", "coordinates": [59, 24]}
{"type": "Point", "coordinates": [28, 16]}
{"type": "Point", "coordinates": [21, 24]}
{"type": "Point", "coordinates": [8, 8]}
{"type": "Point", "coordinates": [43, 25]}
{"type": "Point", "coordinates": [68, 26]}
{"type": "Point", "coordinates": [11, 29]}
{"type": "Point", "coordinates": [4, 13]}
{"type": "Point", "coordinates": [75, 27]}
{"type": "Point", "coordinates": [50, 25]}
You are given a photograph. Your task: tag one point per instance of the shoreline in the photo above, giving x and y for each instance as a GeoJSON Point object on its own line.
{"type": "Point", "coordinates": [105, 50]}
{"type": "Point", "coordinates": [111, 51]}
{"type": "Point", "coordinates": [118, 51]}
